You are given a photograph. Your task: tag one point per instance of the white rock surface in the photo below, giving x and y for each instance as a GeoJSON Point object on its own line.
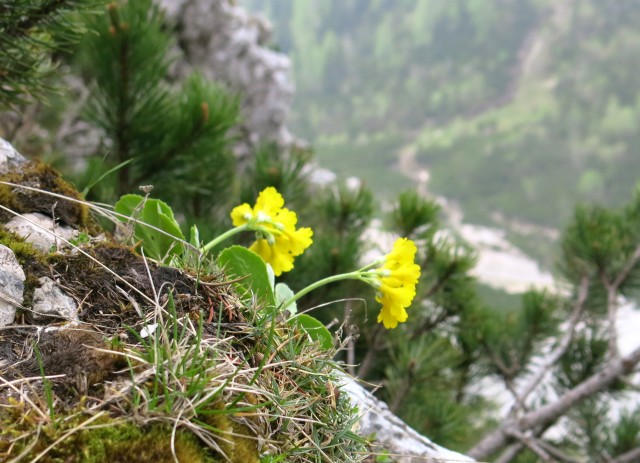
{"type": "Point", "coordinates": [392, 434]}
{"type": "Point", "coordinates": [50, 301]}
{"type": "Point", "coordinates": [40, 230]}
{"type": "Point", "coordinates": [501, 264]}
{"type": "Point", "coordinates": [11, 285]}
{"type": "Point", "coordinates": [9, 157]}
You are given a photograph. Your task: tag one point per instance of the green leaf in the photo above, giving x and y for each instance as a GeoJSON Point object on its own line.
{"type": "Point", "coordinates": [272, 276]}
{"type": "Point", "coordinates": [283, 294]}
{"type": "Point", "coordinates": [239, 262]}
{"type": "Point", "coordinates": [194, 239]}
{"type": "Point", "coordinates": [156, 244]}
{"type": "Point", "coordinates": [315, 329]}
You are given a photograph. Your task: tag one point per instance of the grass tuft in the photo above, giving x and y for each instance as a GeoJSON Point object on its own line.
{"type": "Point", "coordinates": [170, 364]}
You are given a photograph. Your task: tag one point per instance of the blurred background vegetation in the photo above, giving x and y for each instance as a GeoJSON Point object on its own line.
{"type": "Point", "coordinates": [519, 109]}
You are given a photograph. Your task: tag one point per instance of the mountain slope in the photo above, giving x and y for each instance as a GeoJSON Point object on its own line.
{"type": "Point", "coordinates": [516, 107]}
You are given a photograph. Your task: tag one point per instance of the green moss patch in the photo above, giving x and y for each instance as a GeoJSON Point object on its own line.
{"type": "Point", "coordinates": [35, 174]}
{"type": "Point", "coordinates": [103, 440]}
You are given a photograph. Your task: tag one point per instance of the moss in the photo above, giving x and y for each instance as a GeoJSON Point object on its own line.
{"type": "Point", "coordinates": [238, 444]}
{"type": "Point", "coordinates": [35, 174]}
{"type": "Point", "coordinates": [30, 259]}
{"type": "Point", "coordinates": [129, 444]}
{"type": "Point", "coordinates": [23, 250]}
{"type": "Point", "coordinates": [104, 441]}
{"type": "Point", "coordinates": [245, 446]}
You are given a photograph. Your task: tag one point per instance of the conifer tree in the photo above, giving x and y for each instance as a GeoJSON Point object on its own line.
{"type": "Point", "coordinates": [175, 137]}
{"type": "Point", "coordinates": [30, 31]}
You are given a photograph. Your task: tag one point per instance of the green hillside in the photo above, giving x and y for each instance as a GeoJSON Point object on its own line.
{"type": "Point", "coordinates": [522, 107]}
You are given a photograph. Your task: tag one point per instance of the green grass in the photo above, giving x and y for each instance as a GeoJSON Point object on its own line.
{"type": "Point", "coordinates": [372, 159]}
{"type": "Point", "coordinates": [498, 299]}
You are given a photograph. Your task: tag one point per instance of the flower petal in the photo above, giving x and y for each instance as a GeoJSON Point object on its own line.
{"type": "Point", "coordinates": [286, 218]}
{"type": "Point", "coordinates": [299, 240]}
{"type": "Point", "coordinates": [269, 202]}
{"type": "Point", "coordinates": [239, 214]}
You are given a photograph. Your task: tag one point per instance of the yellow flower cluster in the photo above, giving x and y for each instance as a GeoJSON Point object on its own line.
{"type": "Point", "coordinates": [396, 282]}
{"type": "Point", "coordinates": [278, 242]}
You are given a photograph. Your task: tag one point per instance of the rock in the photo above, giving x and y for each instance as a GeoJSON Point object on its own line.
{"type": "Point", "coordinates": [9, 157]}
{"type": "Point", "coordinates": [50, 301]}
{"type": "Point", "coordinates": [228, 44]}
{"type": "Point", "coordinates": [391, 433]}
{"type": "Point", "coordinates": [11, 285]}
{"type": "Point", "coordinates": [40, 230]}
{"type": "Point", "coordinates": [320, 176]}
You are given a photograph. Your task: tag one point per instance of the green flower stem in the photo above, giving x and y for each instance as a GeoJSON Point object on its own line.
{"type": "Point", "coordinates": [228, 234]}
{"type": "Point", "coordinates": [343, 276]}
{"type": "Point", "coordinates": [377, 263]}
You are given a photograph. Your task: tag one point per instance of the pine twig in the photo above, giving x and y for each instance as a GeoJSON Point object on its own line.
{"type": "Point", "coordinates": [511, 452]}
{"type": "Point", "coordinates": [555, 356]}
{"type": "Point", "coordinates": [612, 288]}
{"type": "Point", "coordinates": [532, 444]}
{"type": "Point", "coordinates": [550, 412]}
{"type": "Point", "coordinates": [629, 457]}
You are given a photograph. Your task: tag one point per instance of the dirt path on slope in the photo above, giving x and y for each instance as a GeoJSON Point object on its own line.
{"type": "Point", "coordinates": [410, 168]}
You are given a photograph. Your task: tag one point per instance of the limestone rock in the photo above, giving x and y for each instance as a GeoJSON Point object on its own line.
{"type": "Point", "coordinates": [228, 44]}
{"type": "Point", "coordinates": [11, 285]}
{"type": "Point", "coordinates": [391, 433]}
{"type": "Point", "coordinates": [40, 230]}
{"type": "Point", "coordinates": [50, 301]}
{"type": "Point", "coordinates": [9, 157]}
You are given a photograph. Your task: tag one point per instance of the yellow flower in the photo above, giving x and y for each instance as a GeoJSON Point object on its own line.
{"type": "Point", "coordinates": [278, 242]}
{"type": "Point", "coordinates": [396, 282]}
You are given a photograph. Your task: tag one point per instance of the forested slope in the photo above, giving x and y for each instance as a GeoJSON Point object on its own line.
{"type": "Point", "coordinates": [522, 107]}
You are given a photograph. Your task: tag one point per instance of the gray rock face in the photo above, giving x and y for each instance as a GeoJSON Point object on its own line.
{"type": "Point", "coordinates": [50, 301]}
{"type": "Point", "coordinates": [392, 434]}
{"type": "Point", "coordinates": [227, 44]}
{"type": "Point", "coordinates": [9, 157]}
{"type": "Point", "coordinates": [11, 285]}
{"type": "Point", "coordinates": [40, 230]}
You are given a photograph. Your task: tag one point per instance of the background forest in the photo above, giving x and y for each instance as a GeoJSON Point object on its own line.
{"type": "Point", "coordinates": [519, 109]}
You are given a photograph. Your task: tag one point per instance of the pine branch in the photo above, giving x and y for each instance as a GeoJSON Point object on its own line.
{"type": "Point", "coordinates": [612, 312]}
{"type": "Point", "coordinates": [35, 17]}
{"type": "Point", "coordinates": [546, 414]}
{"type": "Point", "coordinates": [624, 273]}
{"type": "Point", "coordinates": [613, 288]}
{"type": "Point", "coordinates": [430, 324]}
{"type": "Point", "coordinates": [30, 31]}
{"type": "Point", "coordinates": [532, 444]}
{"type": "Point", "coordinates": [553, 451]}
{"type": "Point", "coordinates": [632, 456]}
{"type": "Point", "coordinates": [544, 450]}
{"type": "Point", "coordinates": [564, 344]}
{"type": "Point", "coordinates": [507, 375]}
{"type": "Point", "coordinates": [511, 452]}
